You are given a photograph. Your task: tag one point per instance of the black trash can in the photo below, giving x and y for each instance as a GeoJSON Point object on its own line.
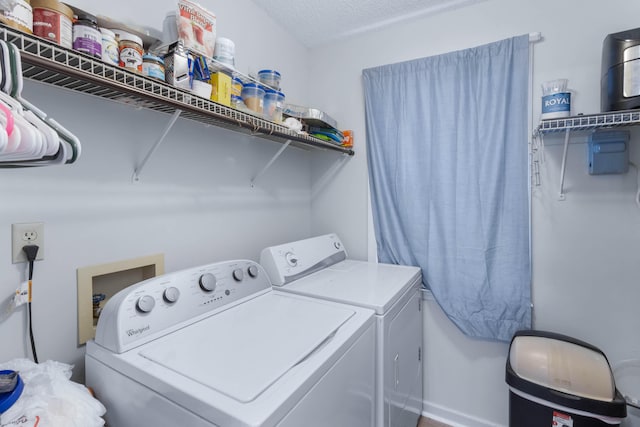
{"type": "Point", "coordinates": [558, 381]}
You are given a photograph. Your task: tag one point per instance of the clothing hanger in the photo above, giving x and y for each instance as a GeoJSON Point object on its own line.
{"type": "Point", "coordinates": [61, 131]}
{"type": "Point", "coordinates": [41, 143]}
{"type": "Point", "coordinates": [7, 121]}
{"type": "Point", "coordinates": [51, 139]}
{"type": "Point", "coordinates": [25, 142]}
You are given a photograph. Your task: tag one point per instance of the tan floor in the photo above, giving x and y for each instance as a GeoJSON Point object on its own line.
{"type": "Point", "coordinates": [426, 422]}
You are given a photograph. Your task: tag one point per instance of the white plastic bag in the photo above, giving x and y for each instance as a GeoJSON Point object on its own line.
{"type": "Point", "coordinates": [50, 399]}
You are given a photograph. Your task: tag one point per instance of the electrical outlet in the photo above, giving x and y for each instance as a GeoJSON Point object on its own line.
{"type": "Point", "coordinates": [26, 234]}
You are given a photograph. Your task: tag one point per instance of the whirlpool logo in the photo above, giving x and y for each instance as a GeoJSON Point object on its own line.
{"type": "Point", "coordinates": [134, 332]}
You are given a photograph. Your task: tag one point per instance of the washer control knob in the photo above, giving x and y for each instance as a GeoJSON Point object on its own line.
{"type": "Point", "coordinates": [238, 275]}
{"type": "Point", "coordinates": [291, 259]}
{"type": "Point", "coordinates": [337, 245]}
{"type": "Point", "coordinates": [171, 294]}
{"type": "Point", "coordinates": [145, 304]}
{"type": "Point", "coordinates": [207, 282]}
{"type": "Point", "coordinates": [253, 271]}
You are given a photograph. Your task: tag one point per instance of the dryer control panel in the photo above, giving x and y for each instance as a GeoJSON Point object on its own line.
{"type": "Point", "coordinates": [291, 261]}
{"type": "Point", "coordinates": [160, 305]}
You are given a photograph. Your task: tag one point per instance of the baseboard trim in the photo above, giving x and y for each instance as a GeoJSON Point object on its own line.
{"type": "Point", "coordinates": [454, 418]}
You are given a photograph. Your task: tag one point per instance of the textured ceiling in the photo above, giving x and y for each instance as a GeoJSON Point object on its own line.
{"type": "Point", "coordinates": [316, 22]}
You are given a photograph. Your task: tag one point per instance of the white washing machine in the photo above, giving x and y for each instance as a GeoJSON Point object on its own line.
{"type": "Point", "coordinates": [217, 346]}
{"type": "Point", "coordinates": [318, 267]}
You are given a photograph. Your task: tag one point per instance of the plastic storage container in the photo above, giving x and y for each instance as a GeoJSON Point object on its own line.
{"type": "Point", "coordinates": [273, 102]}
{"type": "Point", "coordinates": [555, 380]}
{"type": "Point", "coordinates": [270, 78]}
{"type": "Point", "coordinates": [253, 97]}
{"type": "Point", "coordinates": [236, 102]}
{"type": "Point", "coordinates": [236, 87]}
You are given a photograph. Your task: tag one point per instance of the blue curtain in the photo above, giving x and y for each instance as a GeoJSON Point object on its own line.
{"type": "Point", "coordinates": [448, 169]}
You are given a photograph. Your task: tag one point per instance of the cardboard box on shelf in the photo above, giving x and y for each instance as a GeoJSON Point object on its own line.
{"type": "Point", "coordinates": [221, 83]}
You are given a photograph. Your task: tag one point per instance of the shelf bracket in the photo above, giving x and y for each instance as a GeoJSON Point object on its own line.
{"type": "Point", "coordinates": [268, 165]}
{"type": "Point", "coordinates": [567, 133]}
{"type": "Point", "coordinates": [138, 171]}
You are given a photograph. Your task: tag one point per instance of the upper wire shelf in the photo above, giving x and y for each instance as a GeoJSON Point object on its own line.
{"type": "Point", "coordinates": [50, 63]}
{"type": "Point", "coordinates": [590, 121]}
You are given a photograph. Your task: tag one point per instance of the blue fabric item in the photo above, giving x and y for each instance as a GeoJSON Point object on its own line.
{"type": "Point", "coordinates": [448, 168]}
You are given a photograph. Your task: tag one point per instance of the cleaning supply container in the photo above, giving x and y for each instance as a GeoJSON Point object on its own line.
{"type": "Point", "coordinates": [556, 99]}
{"type": "Point", "coordinates": [555, 380]}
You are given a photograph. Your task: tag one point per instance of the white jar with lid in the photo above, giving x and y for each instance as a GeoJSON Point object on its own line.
{"type": "Point", "coordinates": [20, 16]}
{"type": "Point", "coordinates": [131, 51]}
{"type": "Point", "coordinates": [110, 50]}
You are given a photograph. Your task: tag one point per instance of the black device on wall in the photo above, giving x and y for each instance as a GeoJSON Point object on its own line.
{"type": "Point", "coordinates": [620, 84]}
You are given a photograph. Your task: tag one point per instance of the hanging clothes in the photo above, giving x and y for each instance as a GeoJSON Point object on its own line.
{"type": "Point", "coordinates": [448, 166]}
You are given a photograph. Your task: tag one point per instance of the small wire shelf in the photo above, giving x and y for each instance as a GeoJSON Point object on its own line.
{"type": "Point", "coordinates": [590, 122]}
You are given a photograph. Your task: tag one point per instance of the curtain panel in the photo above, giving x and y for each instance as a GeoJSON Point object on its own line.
{"type": "Point", "coordinates": [448, 170]}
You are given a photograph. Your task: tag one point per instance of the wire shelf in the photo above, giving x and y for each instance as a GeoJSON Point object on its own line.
{"type": "Point", "coordinates": [590, 122]}
{"type": "Point", "coordinates": [49, 63]}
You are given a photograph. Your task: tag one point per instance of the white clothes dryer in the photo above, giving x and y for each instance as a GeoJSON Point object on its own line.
{"type": "Point", "coordinates": [217, 346]}
{"type": "Point", "coordinates": [318, 267]}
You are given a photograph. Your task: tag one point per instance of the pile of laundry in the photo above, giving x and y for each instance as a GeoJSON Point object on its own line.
{"type": "Point", "coordinates": [43, 395]}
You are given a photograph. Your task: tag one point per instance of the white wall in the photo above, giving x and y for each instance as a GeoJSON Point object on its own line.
{"type": "Point", "coordinates": [585, 249]}
{"type": "Point", "coordinates": [194, 202]}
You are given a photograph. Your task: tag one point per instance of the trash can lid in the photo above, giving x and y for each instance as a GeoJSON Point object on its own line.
{"type": "Point", "coordinates": [565, 365]}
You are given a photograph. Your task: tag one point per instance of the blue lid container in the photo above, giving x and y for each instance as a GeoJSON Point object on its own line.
{"type": "Point", "coordinates": [253, 97]}
{"type": "Point", "coordinates": [270, 78]}
{"type": "Point", "coordinates": [8, 399]}
{"type": "Point", "coordinates": [273, 107]}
